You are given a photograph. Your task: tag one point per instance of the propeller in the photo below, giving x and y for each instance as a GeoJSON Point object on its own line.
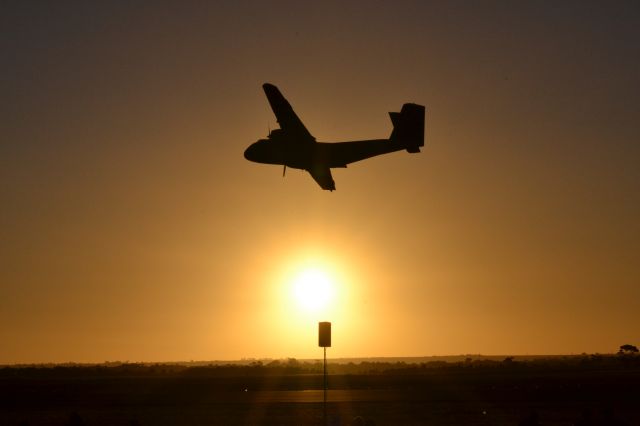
{"type": "Point", "coordinates": [284, 170]}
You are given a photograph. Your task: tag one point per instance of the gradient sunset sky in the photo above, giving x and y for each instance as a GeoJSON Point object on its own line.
{"type": "Point", "coordinates": [132, 228]}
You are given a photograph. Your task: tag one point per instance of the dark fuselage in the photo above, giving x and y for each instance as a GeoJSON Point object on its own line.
{"type": "Point", "coordinates": [309, 154]}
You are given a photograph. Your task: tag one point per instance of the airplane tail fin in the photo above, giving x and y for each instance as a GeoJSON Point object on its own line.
{"type": "Point", "coordinates": [408, 127]}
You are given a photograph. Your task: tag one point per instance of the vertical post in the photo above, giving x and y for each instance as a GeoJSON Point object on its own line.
{"type": "Point", "coordinates": [324, 341]}
{"type": "Point", "coordinates": [325, 385]}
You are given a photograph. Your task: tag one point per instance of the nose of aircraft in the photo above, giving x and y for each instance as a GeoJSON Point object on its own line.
{"type": "Point", "coordinates": [250, 153]}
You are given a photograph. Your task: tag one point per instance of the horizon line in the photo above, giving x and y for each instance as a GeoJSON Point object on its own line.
{"type": "Point", "coordinates": [336, 359]}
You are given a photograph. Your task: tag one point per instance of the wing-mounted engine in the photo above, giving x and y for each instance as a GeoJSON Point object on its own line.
{"type": "Point", "coordinates": [276, 134]}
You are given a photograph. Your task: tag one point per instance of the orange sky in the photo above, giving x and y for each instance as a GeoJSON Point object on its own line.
{"type": "Point", "coordinates": [132, 228]}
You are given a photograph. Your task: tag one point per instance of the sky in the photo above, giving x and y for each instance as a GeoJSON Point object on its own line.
{"type": "Point", "coordinates": [133, 229]}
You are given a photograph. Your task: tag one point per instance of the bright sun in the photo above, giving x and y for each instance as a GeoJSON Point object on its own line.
{"type": "Point", "coordinates": [313, 289]}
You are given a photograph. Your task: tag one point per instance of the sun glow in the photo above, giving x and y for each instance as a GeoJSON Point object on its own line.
{"type": "Point", "coordinates": [312, 286]}
{"type": "Point", "coordinates": [313, 289]}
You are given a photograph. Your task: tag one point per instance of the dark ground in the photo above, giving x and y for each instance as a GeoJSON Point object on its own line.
{"type": "Point", "coordinates": [464, 395]}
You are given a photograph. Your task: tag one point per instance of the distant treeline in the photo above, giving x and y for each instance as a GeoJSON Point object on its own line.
{"type": "Point", "coordinates": [292, 366]}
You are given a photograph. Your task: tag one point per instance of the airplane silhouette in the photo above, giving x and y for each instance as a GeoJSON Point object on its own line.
{"type": "Point", "coordinates": [293, 146]}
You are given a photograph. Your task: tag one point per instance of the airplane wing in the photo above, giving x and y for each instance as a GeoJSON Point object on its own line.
{"type": "Point", "coordinates": [322, 175]}
{"type": "Point", "coordinates": [287, 118]}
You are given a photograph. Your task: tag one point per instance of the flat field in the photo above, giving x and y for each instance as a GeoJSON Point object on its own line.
{"type": "Point", "coordinates": [463, 394]}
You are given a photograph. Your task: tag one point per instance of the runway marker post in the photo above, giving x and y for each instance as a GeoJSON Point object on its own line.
{"type": "Point", "coordinates": [324, 341]}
